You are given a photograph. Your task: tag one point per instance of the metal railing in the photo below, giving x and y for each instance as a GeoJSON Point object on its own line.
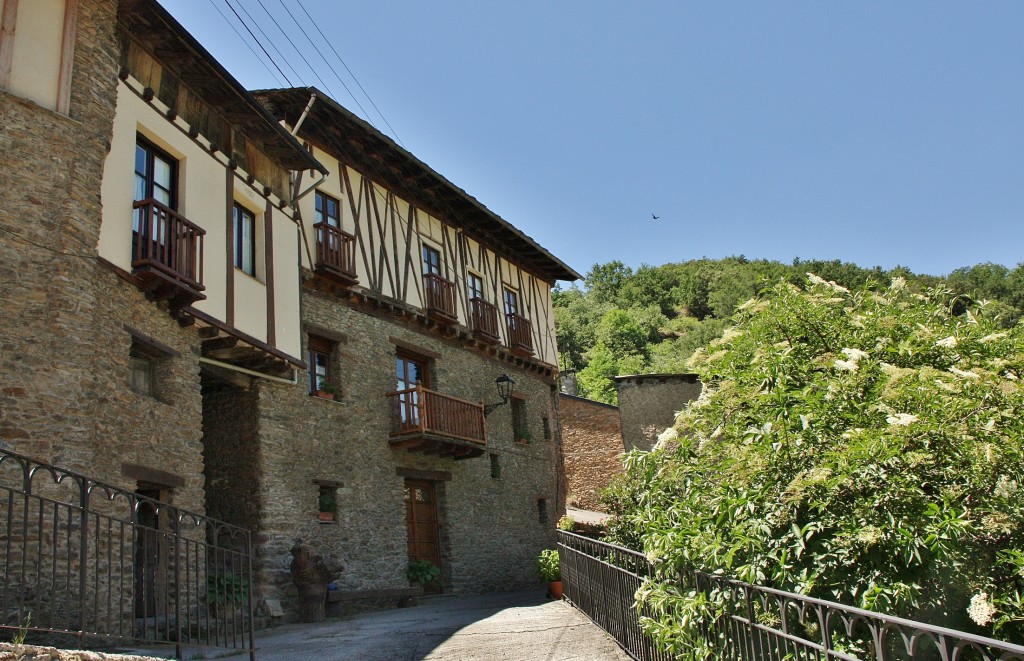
{"type": "Point", "coordinates": [82, 561]}
{"type": "Point", "coordinates": [168, 242]}
{"type": "Point", "coordinates": [519, 336]}
{"type": "Point", "coordinates": [418, 410]}
{"type": "Point", "coordinates": [601, 580]}
{"type": "Point", "coordinates": [335, 251]}
{"type": "Point", "coordinates": [440, 297]}
{"type": "Point", "coordinates": [757, 623]}
{"type": "Point", "coordinates": [485, 319]}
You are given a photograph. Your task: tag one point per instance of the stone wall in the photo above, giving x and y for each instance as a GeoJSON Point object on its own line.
{"type": "Point", "coordinates": [648, 403]}
{"type": "Point", "coordinates": [65, 394]}
{"type": "Point", "coordinates": [593, 448]}
{"type": "Point", "coordinates": [490, 529]}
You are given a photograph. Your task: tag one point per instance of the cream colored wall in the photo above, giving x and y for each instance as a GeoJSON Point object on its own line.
{"type": "Point", "coordinates": [373, 236]}
{"type": "Point", "coordinates": [202, 198]}
{"type": "Point", "coordinates": [35, 64]}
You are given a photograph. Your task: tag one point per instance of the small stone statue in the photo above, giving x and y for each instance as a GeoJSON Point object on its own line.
{"type": "Point", "coordinates": [311, 574]}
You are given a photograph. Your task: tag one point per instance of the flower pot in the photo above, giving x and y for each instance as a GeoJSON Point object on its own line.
{"type": "Point", "coordinates": [325, 395]}
{"type": "Point", "coordinates": [326, 516]}
{"type": "Point", "coordinates": [555, 588]}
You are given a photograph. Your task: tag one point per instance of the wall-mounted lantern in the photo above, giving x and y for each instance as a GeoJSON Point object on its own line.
{"type": "Point", "coordinates": [506, 385]}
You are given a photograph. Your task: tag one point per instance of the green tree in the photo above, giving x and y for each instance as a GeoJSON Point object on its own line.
{"type": "Point", "coordinates": [862, 446]}
{"type": "Point", "coordinates": [595, 380]}
{"type": "Point", "coordinates": [604, 282]}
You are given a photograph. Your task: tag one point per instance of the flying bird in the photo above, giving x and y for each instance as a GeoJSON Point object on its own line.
{"type": "Point", "coordinates": [655, 217]}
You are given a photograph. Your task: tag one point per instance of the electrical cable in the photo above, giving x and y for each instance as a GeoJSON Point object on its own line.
{"type": "Point", "coordinates": [246, 42]}
{"type": "Point", "coordinates": [329, 67]}
{"type": "Point", "coordinates": [228, 3]}
{"type": "Point", "coordinates": [271, 42]}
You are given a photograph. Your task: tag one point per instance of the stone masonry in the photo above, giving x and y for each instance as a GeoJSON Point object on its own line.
{"type": "Point", "coordinates": [648, 403]}
{"type": "Point", "coordinates": [593, 448]}
{"type": "Point", "coordinates": [490, 528]}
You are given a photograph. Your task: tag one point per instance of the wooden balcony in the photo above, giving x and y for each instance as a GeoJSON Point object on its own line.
{"type": "Point", "coordinates": [426, 421]}
{"type": "Point", "coordinates": [335, 254]}
{"type": "Point", "coordinates": [520, 339]}
{"type": "Point", "coordinates": [484, 320]}
{"type": "Point", "coordinates": [440, 299]}
{"type": "Point", "coordinates": [167, 253]}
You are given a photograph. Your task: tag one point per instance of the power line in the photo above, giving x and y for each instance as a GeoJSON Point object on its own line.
{"type": "Point", "coordinates": [337, 55]}
{"type": "Point", "coordinates": [246, 42]}
{"type": "Point", "coordinates": [228, 3]}
{"type": "Point", "coordinates": [270, 41]}
{"type": "Point", "coordinates": [306, 35]}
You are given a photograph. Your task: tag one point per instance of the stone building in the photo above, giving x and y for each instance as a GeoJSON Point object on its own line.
{"type": "Point", "coordinates": [593, 448]}
{"type": "Point", "coordinates": [181, 277]}
{"type": "Point", "coordinates": [648, 403]}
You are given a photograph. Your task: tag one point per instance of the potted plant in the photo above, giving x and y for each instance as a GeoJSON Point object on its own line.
{"type": "Point", "coordinates": [328, 390]}
{"type": "Point", "coordinates": [328, 506]}
{"type": "Point", "coordinates": [423, 572]}
{"type": "Point", "coordinates": [226, 592]}
{"type": "Point", "coordinates": [549, 568]}
{"type": "Point", "coordinates": [523, 435]}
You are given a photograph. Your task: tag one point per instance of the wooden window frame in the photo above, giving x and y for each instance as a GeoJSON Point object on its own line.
{"type": "Point", "coordinates": [432, 261]}
{"type": "Point", "coordinates": [520, 420]}
{"type": "Point", "coordinates": [320, 209]}
{"type": "Point", "coordinates": [320, 346]}
{"type": "Point", "coordinates": [241, 250]}
{"type": "Point", "coordinates": [152, 152]}
{"type": "Point", "coordinates": [510, 295]}
{"type": "Point", "coordinates": [473, 279]}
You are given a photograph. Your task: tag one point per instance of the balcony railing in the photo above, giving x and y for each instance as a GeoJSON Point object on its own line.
{"type": "Point", "coordinates": [440, 298]}
{"type": "Point", "coordinates": [335, 254]}
{"type": "Point", "coordinates": [520, 339]}
{"type": "Point", "coordinates": [485, 320]}
{"type": "Point", "coordinates": [167, 252]}
{"type": "Point", "coordinates": [426, 421]}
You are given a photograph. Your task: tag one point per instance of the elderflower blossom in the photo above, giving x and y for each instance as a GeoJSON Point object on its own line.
{"type": "Point", "coordinates": [993, 337]}
{"type": "Point", "coordinates": [854, 356]}
{"type": "Point", "coordinates": [818, 280]}
{"type": "Point", "coordinates": [901, 419]}
{"type": "Point", "coordinates": [899, 283]}
{"type": "Point", "coordinates": [964, 375]}
{"type": "Point", "coordinates": [981, 609]}
{"type": "Point", "coordinates": [1005, 487]}
{"type": "Point", "coordinates": [670, 434]}
{"type": "Point", "coordinates": [947, 342]}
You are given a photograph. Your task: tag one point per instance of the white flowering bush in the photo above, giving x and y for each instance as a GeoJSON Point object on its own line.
{"type": "Point", "coordinates": [863, 447]}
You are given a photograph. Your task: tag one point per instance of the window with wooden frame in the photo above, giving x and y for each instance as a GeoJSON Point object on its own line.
{"type": "Point", "coordinates": [245, 239]}
{"type": "Point", "coordinates": [511, 302]}
{"type": "Point", "coordinates": [321, 369]}
{"type": "Point", "coordinates": [431, 261]}
{"type": "Point", "coordinates": [156, 179]}
{"type": "Point", "coordinates": [476, 287]}
{"type": "Point", "coordinates": [410, 371]}
{"type": "Point", "coordinates": [520, 421]}
{"type": "Point", "coordinates": [327, 210]}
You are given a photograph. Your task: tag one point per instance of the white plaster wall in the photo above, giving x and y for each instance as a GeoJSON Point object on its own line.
{"type": "Point", "coordinates": [35, 64]}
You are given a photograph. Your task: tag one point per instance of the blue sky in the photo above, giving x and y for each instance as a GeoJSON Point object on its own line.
{"type": "Point", "coordinates": [881, 133]}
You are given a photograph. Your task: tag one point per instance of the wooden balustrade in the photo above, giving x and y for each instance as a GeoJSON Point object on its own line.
{"type": "Point", "coordinates": [485, 320]}
{"type": "Point", "coordinates": [167, 252]}
{"type": "Point", "coordinates": [520, 338]}
{"type": "Point", "coordinates": [433, 422]}
{"type": "Point", "coordinates": [440, 298]}
{"type": "Point", "coordinates": [335, 253]}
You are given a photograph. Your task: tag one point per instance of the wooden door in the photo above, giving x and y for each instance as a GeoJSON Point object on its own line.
{"type": "Point", "coordinates": [148, 556]}
{"type": "Point", "coordinates": [421, 524]}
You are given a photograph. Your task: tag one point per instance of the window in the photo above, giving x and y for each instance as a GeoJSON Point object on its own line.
{"type": "Point", "coordinates": [327, 503]}
{"type": "Point", "coordinates": [156, 175]}
{"type": "Point", "coordinates": [476, 287]}
{"type": "Point", "coordinates": [409, 371]}
{"type": "Point", "coordinates": [142, 375]}
{"type": "Point", "coordinates": [431, 261]}
{"type": "Point", "coordinates": [495, 467]}
{"type": "Point", "coordinates": [320, 372]}
{"type": "Point", "coordinates": [520, 423]}
{"type": "Point", "coordinates": [328, 210]}
{"type": "Point", "coordinates": [542, 510]}
{"type": "Point", "coordinates": [147, 359]}
{"type": "Point", "coordinates": [547, 428]}
{"type": "Point", "coordinates": [245, 240]}
{"type": "Point", "coordinates": [511, 302]}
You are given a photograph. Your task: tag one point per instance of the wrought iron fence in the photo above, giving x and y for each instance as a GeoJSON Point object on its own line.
{"type": "Point", "coordinates": [601, 580]}
{"type": "Point", "coordinates": [90, 562]}
{"type": "Point", "coordinates": [756, 623]}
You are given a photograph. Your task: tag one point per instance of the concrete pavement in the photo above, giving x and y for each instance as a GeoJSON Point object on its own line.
{"type": "Point", "coordinates": [520, 626]}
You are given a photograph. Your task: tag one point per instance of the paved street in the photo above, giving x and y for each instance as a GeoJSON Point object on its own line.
{"type": "Point", "coordinates": [510, 626]}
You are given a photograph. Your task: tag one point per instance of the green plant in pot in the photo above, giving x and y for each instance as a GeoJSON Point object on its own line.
{"type": "Point", "coordinates": [423, 572]}
{"type": "Point", "coordinates": [328, 505]}
{"type": "Point", "coordinates": [549, 569]}
{"type": "Point", "coordinates": [329, 390]}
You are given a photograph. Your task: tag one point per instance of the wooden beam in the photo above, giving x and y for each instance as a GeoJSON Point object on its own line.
{"type": "Point", "coordinates": [67, 56]}
{"type": "Point", "coordinates": [7, 25]}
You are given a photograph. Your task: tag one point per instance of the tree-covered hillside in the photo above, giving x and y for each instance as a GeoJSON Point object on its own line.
{"type": "Point", "coordinates": [651, 320]}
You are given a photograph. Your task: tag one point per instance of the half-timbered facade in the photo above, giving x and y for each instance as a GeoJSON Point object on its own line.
{"type": "Point", "coordinates": [416, 302]}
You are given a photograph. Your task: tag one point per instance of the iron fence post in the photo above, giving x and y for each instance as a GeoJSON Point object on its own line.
{"type": "Point", "coordinates": [83, 555]}
{"type": "Point", "coordinates": [177, 583]}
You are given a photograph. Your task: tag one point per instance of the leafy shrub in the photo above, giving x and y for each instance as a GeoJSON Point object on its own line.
{"type": "Point", "coordinates": [423, 572]}
{"type": "Point", "coordinates": [863, 447]}
{"type": "Point", "coordinates": [549, 567]}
